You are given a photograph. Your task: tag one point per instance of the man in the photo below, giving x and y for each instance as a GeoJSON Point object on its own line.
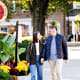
{"type": "Point", "coordinates": [55, 52]}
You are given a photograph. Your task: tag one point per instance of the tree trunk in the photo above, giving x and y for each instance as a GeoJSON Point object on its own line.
{"type": "Point", "coordinates": [39, 10]}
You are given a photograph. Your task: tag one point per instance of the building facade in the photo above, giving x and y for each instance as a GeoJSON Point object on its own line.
{"type": "Point", "coordinates": [73, 21]}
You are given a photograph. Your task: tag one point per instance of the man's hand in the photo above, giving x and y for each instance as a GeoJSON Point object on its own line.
{"type": "Point", "coordinates": [42, 60]}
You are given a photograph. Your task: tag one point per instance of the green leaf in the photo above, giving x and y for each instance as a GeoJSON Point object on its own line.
{"type": "Point", "coordinates": [4, 75]}
{"type": "Point", "coordinates": [7, 48]}
{"type": "Point", "coordinates": [5, 38]}
{"type": "Point", "coordinates": [21, 50]}
{"type": "Point", "coordinates": [4, 57]}
{"type": "Point", "coordinates": [11, 41]}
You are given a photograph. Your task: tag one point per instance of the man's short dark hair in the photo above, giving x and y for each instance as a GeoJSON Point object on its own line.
{"type": "Point", "coordinates": [52, 26]}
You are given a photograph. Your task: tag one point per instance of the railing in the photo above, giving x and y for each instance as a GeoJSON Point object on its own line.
{"type": "Point", "coordinates": [73, 44]}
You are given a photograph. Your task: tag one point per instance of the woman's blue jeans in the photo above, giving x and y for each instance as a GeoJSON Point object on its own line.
{"type": "Point", "coordinates": [36, 70]}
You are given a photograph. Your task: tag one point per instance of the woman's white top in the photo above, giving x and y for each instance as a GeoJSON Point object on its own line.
{"type": "Point", "coordinates": [37, 48]}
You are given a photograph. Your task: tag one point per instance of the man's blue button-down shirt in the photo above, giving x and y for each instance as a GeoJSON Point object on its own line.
{"type": "Point", "coordinates": [53, 52]}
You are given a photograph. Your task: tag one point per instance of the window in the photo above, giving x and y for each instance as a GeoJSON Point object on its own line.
{"type": "Point", "coordinates": [4, 29]}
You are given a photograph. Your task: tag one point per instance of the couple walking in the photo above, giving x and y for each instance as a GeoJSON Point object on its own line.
{"type": "Point", "coordinates": [53, 50]}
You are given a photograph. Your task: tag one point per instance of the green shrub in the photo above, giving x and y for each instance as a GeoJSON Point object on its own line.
{"type": "Point", "coordinates": [4, 75]}
{"type": "Point", "coordinates": [24, 44]}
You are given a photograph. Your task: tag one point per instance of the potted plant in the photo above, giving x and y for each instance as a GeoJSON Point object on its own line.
{"type": "Point", "coordinates": [21, 70]}
{"type": "Point", "coordinates": [7, 49]}
{"type": "Point", "coordinates": [4, 72]}
{"type": "Point", "coordinates": [22, 67]}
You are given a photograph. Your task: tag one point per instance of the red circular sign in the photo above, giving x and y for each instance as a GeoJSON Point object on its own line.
{"type": "Point", "coordinates": [3, 11]}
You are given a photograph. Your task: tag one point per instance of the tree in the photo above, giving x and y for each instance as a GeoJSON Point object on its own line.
{"type": "Point", "coordinates": [62, 5]}
{"type": "Point", "coordinates": [39, 10]}
{"type": "Point", "coordinates": [65, 6]}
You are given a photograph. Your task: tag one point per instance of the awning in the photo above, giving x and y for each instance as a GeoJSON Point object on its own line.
{"type": "Point", "coordinates": [73, 18]}
{"type": "Point", "coordinates": [77, 18]}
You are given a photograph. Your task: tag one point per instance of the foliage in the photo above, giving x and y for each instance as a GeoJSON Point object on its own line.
{"type": "Point", "coordinates": [39, 10]}
{"type": "Point", "coordinates": [24, 44]}
{"type": "Point", "coordinates": [26, 5]}
{"type": "Point", "coordinates": [4, 75]}
{"type": "Point", "coordinates": [7, 48]}
{"type": "Point", "coordinates": [62, 5]}
{"type": "Point", "coordinates": [54, 23]}
{"type": "Point", "coordinates": [52, 5]}
{"type": "Point", "coordinates": [19, 4]}
{"type": "Point", "coordinates": [4, 72]}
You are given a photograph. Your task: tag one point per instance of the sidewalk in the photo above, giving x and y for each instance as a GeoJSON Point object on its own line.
{"type": "Point", "coordinates": [71, 71]}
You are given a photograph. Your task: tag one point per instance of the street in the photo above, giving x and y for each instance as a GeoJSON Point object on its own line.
{"type": "Point", "coordinates": [71, 70]}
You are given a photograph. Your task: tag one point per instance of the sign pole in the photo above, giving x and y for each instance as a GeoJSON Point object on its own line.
{"type": "Point", "coordinates": [16, 40]}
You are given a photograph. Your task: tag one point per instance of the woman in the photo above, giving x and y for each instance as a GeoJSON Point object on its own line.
{"type": "Point", "coordinates": [33, 56]}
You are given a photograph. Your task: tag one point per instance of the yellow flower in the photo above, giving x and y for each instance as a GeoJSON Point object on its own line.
{"type": "Point", "coordinates": [4, 68]}
{"type": "Point", "coordinates": [22, 66]}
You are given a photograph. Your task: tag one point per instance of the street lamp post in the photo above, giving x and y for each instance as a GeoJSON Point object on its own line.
{"type": "Point", "coordinates": [16, 40]}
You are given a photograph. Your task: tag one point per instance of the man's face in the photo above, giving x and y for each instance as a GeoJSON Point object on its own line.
{"type": "Point", "coordinates": [52, 31]}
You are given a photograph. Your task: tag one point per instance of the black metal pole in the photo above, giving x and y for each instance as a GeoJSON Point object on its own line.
{"type": "Point", "coordinates": [16, 40]}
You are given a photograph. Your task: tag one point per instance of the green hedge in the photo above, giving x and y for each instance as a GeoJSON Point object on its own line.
{"type": "Point", "coordinates": [24, 44]}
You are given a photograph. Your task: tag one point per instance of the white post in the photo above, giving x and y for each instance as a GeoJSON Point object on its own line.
{"type": "Point", "coordinates": [73, 30]}
{"type": "Point", "coordinates": [14, 5]}
{"type": "Point", "coordinates": [19, 33]}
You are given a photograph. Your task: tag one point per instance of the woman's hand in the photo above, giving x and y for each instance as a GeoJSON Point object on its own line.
{"type": "Point", "coordinates": [42, 60]}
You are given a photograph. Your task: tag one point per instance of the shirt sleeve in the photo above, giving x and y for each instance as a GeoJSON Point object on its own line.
{"type": "Point", "coordinates": [64, 47]}
{"type": "Point", "coordinates": [43, 52]}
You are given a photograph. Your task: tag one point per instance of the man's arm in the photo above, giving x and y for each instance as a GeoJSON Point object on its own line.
{"type": "Point", "coordinates": [64, 47]}
{"type": "Point", "coordinates": [43, 51]}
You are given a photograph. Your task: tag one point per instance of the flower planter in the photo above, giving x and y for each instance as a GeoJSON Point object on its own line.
{"type": "Point", "coordinates": [26, 77]}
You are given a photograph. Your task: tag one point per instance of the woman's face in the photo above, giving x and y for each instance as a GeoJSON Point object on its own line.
{"type": "Point", "coordinates": [39, 36]}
